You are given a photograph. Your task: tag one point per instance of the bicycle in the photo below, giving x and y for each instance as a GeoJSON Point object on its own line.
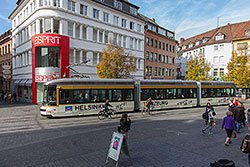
{"type": "Point", "coordinates": [147, 111]}
{"type": "Point", "coordinates": [103, 114]}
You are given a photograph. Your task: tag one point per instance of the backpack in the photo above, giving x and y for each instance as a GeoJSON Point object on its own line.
{"type": "Point", "coordinates": [223, 163]}
{"type": "Point", "coordinates": [245, 144]}
{"type": "Point", "coordinates": [205, 115]}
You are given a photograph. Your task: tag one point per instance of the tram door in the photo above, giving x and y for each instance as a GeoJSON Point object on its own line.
{"type": "Point", "coordinates": [40, 89]}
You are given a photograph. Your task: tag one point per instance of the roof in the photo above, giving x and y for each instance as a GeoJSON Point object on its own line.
{"type": "Point", "coordinates": [231, 31]}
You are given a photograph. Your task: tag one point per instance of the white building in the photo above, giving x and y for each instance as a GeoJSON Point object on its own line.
{"type": "Point", "coordinates": [89, 24]}
{"type": "Point", "coordinates": [215, 45]}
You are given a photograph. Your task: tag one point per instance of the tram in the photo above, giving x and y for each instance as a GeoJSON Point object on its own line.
{"type": "Point", "coordinates": [78, 97]}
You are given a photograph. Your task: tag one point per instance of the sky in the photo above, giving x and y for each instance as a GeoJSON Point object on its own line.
{"type": "Point", "coordinates": [185, 17]}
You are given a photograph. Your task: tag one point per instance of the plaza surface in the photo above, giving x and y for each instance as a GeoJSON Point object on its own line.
{"type": "Point", "coordinates": [168, 138]}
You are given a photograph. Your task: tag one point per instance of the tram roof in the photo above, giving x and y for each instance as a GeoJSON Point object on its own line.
{"type": "Point", "coordinates": [168, 82]}
{"type": "Point", "coordinates": [78, 81]}
{"type": "Point", "coordinates": [215, 83]}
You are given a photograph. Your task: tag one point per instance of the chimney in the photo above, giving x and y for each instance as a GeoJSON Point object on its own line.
{"type": "Point", "coordinates": [182, 41]}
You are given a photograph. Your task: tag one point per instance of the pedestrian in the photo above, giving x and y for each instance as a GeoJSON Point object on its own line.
{"type": "Point", "coordinates": [236, 101]}
{"type": "Point", "coordinates": [231, 106]}
{"type": "Point", "coordinates": [125, 124]}
{"type": "Point", "coordinates": [149, 103]}
{"type": "Point", "coordinates": [229, 125]}
{"type": "Point", "coordinates": [9, 98]}
{"type": "Point", "coordinates": [239, 117]}
{"type": "Point", "coordinates": [210, 121]}
{"type": "Point", "coordinates": [14, 96]}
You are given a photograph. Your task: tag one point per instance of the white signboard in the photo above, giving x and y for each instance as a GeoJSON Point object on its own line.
{"type": "Point", "coordinates": [6, 76]}
{"type": "Point", "coordinates": [47, 74]}
{"type": "Point", "coordinates": [7, 72]}
{"type": "Point", "coordinates": [6, 67]}
{"type": "Point", "coordinates": [115, 146]}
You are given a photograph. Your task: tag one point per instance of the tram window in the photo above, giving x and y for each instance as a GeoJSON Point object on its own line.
{"type": "Point", "coordinates": [218, 93]}
{"type": "Point", "coordinates": [81, 96]}
{"type": "Point", "coordinates": [171, 93]}
{"type": "Point", "coordinates": [180, 93]}
{"type": "Point", "coordinates": [232, 93]}
{"type": "Point", "coordinates": [146, 93]}
{"type": "Point", "coordinates": [65, 96]}
{"type": "Point", "coordinates": [128, 94]}
{"type": "Point", "coordinates": [115, 95]}
{"type": "Point", "coordinates": [98, 95]}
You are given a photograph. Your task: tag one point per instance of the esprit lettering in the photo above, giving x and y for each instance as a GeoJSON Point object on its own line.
{"type": "Point", "coordinates": [47, 39]}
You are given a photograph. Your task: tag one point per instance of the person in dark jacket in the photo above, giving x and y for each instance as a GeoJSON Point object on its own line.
{"type": "Point", "coordinates": [209, 108]}
{"type": "Point", "coordinates": [231, 106]}
{"type": "Point", "coordinates": [239, 116]}
{"type": "Point", "coordinates": [125, 124]}
{"type": "Point", "coordinates": [229, 125]}
{"type": "Point", "coordinates": [149, 103]}
{"type": "Point", "coordinates": [107, 105]}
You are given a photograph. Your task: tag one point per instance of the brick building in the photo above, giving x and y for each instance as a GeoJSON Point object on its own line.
{"type": "Point", "coordinates": [5, 59]}
{"type": "Point", "coordinates": [159, 51]}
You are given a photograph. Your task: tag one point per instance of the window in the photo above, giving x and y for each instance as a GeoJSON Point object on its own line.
{"type": "Point", "coordinates": [124, 41]}
{"type": "Point", "coordinates": [167, 47]}
{"type": "Point", "coordinates": [132, 11]}
{"type": "Point", "coordinates": [147, 55]}
{"type": "Point", "coordinates": [115, 95]}
{"type": "Point", "coordinates": [160, 58]}
{"type": "Point", "coordinates": [56, 26]}
{"type": "Point", "coordinates": [156, 43]}
{"type": "Point", "coordinates": [215, 72]}
{"type": "Point", "coordinates": [221, 71]}
{"type": "Point", "coordinates": [167, 59]}
{"type": "Point", "coordinates": [105, 17]}
{"type": "Point", "coordinates": [65, 96]}
{"type": "Point", "coordinates": [219, 36]}
{"type": "Point", "coordinates": [215, 47]}
{"type": "Point", "coordinates": [169, 72]}
{"type": "Point", "coordinates": [138, 28]}
{"type": "Point", "coordinates": [124, 23]}
{"type": "Point", "coordinates": [116, 20]}
{"type": "Point", "coordinates": [152, 56]}
{"type": "Point", "coordinates": [94, 58]}
{"type": "Point", "coordinates": [163, 46]}
{"type": "Point", "coordinates": [170, 48]}
{"type": "Point", "coordinates": [117, 4]}
{"type": "Point", "coordinates": [216, 59]}
{"type": "Point", "coordinates": [77, 31]}
{"type": "Point", "coordinates": [84, 32]}
{"type": "Point", "coordinates": [247, 33]}
{"type": "Point", "coordinates": [47, 27]}
{"type": "Point", "coordinates": [56, 3]}
{"type": "Point", "coordinates": [41, 25]}
{"type": "Point", "coordinates": [152, 42]}
{"type": "Point", "coordinates": [71, 5]}
{"type": "Point", "coordinates": [48, 56]}
{"type": "Point", "coordinates": [132, 25]}
{"type": "Point", "coordinates": [159, 72]}
{"type": "Point", "coordinates": [98, 95]}
{"type": "Point", "coordinates": [95, 35]}
{"type": "Point", "coordinates": [221, 59]}
{"type": "Point", "coordinates": [70, 28]}
{"type": "Point", "coordinates": [163, 72]}
{"type": "Point", "coordinates": [173, 48]}
{"type": "Point", "coordinates": [131, 42]}
{"type": "Point", "coordinates": [173, 60]}
{"type": "Point", "coordinates": [83, 10]}
{"type": "Point", "coordinates": [156, 70]}
{"type": "Point", "coordinates": [14, 23]}
{"type": "Point", "coordinates": [41, 3]}
{"type": "Point", "coordinates": [147, 41]}
{"type": "Point", "coordinates": [81, 96]}
{"type": "Point", "coordinates": [156, 57]}
{"type": "Point", "coordinates": [100, 36]}
{"type": "Point", "coordinates": [161, 31]}
{"type": "Point", "coordinates": [96, 13]}
{"type": "Point", "coordinates": [33, 29]}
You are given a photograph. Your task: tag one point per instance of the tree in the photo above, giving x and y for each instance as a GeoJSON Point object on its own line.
{"type": "Point", "coordinates": [198, 69]}
{"type": "Point", "coordinates": [239, 68]}
{"type": "Point", "coordinates": [115, 63]}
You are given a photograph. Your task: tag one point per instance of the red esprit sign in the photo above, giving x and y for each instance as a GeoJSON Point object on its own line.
{"type": "Point", "coordinates": [44, 78]}
{"type": "Point", "coordinates": [47, 39]}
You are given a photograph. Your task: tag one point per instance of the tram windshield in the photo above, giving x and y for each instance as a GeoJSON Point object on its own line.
{"type": "Point", "coordinates": [49, 96]}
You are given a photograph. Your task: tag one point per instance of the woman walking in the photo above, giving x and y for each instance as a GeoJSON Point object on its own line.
{"type": "Point", "coordinates": [125, 124]}
{"type": "Point", "coordinates": [210, 121]}
{"type": "Point", "coordinates": [229, 125]}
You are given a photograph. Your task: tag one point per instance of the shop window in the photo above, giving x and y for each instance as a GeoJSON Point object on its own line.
{"type": "Point", "coordinates": [48, 56]}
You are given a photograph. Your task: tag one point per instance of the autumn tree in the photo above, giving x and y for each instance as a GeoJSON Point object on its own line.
{"type": "Point", "coordinates": [198, 69]}
{"type": "Point", "coordinates": [115, 63]}
{"type": "Point", "coordinates": [239, 68]}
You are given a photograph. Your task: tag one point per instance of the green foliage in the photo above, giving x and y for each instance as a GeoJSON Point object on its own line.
{"type": "Point", "coordinates": [115, 64]}
{"type": "Point", "coordinates": [198, 69]}
{"type": "Point", "coordinates": [239, 68]}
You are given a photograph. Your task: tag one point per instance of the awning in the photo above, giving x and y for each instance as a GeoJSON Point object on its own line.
{"type": "Point", "coordinates": [22, 83]}
{"type": "Point", "coordinates": [17, 81]}
{"type": "Point", "coordinates": [29, 82]}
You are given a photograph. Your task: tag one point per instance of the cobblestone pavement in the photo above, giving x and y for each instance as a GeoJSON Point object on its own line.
{"type": "Point", "coordinates": [169, 138]}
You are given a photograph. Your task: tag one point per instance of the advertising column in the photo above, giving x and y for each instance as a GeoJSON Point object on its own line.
{"type": "Point", "coordinates": [50, 57]}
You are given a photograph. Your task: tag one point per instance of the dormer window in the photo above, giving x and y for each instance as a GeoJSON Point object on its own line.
{"type": "Point", "coordinates": [190, 45]}
{"type": "Point", "coordinates": [133, 11]}
{"type": "Point", "coordinates": [184, 47]}
{"type": "Point", "coordinates": [204, 40]}
{"type": "Point", "coordinates": [117, 4]}
{"type": "Point", "coordinates": [219, 36]}
{"type": "Point", "coordinates": [197, 43]}
{"type": "Point", "coordinates": [247, 33]}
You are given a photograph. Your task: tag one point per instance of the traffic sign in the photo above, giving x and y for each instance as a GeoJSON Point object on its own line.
{"type": "Point", "coordinates": [7, 72]}
{"type": "Point", "coordinates": [6, 76]}
{"type": "Point", "coordinates": [6, 67]}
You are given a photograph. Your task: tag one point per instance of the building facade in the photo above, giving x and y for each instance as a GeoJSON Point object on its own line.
{"type": "Point", "coordinates": [41, 30]}
{"type": "Point", "coordinates": [5, 61]}
{"type": "Point", "coordinates": [215, 45]}
{"type": "Point", "coordinates": [160, 52]}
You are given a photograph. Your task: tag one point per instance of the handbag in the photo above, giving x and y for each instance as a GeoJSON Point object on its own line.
{"type": "Point", "coordinates": [234, 135]}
